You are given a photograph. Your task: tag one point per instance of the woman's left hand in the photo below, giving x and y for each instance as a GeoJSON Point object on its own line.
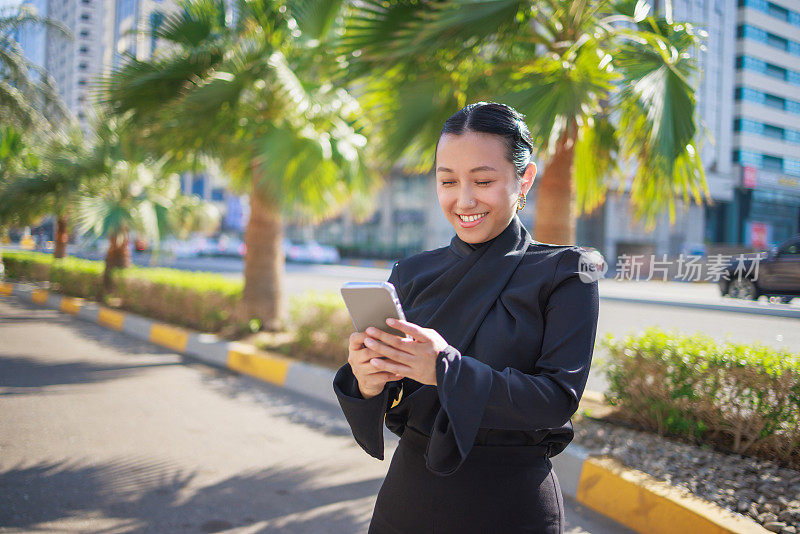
{"type": "Point", "coordinates": [412, 358]}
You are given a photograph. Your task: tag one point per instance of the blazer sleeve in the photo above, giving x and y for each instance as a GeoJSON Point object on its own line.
{"type": "Point", "coordinates": [474, 395]}
{"type": "Point", "coordinates": [366, 416]}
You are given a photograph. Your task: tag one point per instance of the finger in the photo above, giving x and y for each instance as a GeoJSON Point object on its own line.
{"type": "Point", "coordinates": [363, 356]}
{"type": "Point", "coordinates": [385, 375]}
{"type": "Point", "coordinates": [385, 337]}
{"type": "Point", "coordinates": [357, 340]}
{"type": "Point", "coordinates": [390, 352]}
{"type": "Point", "coordinates": [391, 366]}
{"type": "Point", "coordinates": [414, 330]}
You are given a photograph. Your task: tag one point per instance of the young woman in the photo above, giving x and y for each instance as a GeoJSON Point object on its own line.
{"type": "Point", "coordinates": [503, 332]}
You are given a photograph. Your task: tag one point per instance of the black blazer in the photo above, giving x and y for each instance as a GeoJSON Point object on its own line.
{"type": "Point", "coordinates": [521, 326]}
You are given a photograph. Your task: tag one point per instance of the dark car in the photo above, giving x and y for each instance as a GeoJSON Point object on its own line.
{"type": "Point", "coordinates": [776, 275]}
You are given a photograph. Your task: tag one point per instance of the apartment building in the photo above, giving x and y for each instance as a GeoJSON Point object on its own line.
{"type": "Point", "coordinates": [765, 208]}
{"type": "Point", "coordinates": [73, 61]}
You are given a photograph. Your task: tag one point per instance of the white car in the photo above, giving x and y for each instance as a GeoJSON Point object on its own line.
{"type": "Point", "coordinates": [310, 252]}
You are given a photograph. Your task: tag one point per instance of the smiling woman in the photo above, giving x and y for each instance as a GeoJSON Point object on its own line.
{"type": "Point", "coordinates": [502, 333]}
{"type": "Point", "coordinates": [478, 200]}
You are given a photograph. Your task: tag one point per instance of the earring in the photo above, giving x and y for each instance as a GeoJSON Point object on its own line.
{"type": "Point", "coordinates": [519, 207]}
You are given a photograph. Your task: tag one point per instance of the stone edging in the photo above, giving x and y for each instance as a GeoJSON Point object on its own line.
{"type": "Point", "coordinates": [627, 496]}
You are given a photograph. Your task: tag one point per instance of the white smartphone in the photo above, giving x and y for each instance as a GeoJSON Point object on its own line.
{"type": "Point", "coordinates": [371, 303]}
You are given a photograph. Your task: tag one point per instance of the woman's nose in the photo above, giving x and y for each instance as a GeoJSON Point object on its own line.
{"type": "Point", "coordinates": [466, 201]}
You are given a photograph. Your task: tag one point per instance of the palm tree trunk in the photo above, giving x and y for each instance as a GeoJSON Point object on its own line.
{"type": "Point", "coordinates": [555, 198]}
{"type": "Point", "coordinates": [118, 255]}
{"type": "Point", "coordinates": [262, 297]}
{"type": "Point", "coordinates": [61, 237]}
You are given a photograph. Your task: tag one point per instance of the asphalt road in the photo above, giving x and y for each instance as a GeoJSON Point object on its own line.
{"type": "Point", "coordinates": [100, 432]}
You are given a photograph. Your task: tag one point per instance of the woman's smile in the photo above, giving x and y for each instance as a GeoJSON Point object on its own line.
{"type": "Point", "coordinates": [468, 221]}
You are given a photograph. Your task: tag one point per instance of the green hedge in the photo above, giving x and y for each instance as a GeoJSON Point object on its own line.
{"type": "Point", "coordinates": [322, 327]}
{"type": "Point", "coordinates": [199, 300]}
{"type": "Point", "coordinates": [742, 398]}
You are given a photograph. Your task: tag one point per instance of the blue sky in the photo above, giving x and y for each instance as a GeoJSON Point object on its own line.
{"type": "Point", "coordinates": [8, 3]}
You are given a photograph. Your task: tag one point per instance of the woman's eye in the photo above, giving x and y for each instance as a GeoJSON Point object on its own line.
{"type": "Point", "coordinates": [479, 183]}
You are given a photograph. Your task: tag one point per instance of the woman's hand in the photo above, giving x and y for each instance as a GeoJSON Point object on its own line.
{"type": "Point", "coordinates": [371, 381]}
{"type": "Point", "coordinates": [412, 358]}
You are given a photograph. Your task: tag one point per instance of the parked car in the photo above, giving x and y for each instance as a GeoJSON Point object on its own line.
{"type": "Point", "coordinates": [776, 275]}
{"type": "Point", "coordinates": [310, 252]}
{"type": "Point", "coordinates": [229, 246]}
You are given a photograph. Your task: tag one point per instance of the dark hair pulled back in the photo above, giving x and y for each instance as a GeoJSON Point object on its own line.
{"type": "Point", "coordinates": [499, 119]}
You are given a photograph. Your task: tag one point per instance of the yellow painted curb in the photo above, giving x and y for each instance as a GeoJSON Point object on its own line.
{"type": "Point", "coordinates": [71, 305]}
{"type": "Point", "coordinates": [258, 364]}
{"type": "Point", "coordinates": [110, 318]}
{"type": "Point", "coordinates": [6, 289]}
{"type": "Point", "coordinates": [169, 336]}
{"type": "Point", "coordinates": [39, 296]}
{"type": "Point", "coordinates": [647, 505]}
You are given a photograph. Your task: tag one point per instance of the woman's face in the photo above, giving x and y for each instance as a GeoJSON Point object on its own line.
{"type": "Point", "coordinates": [473, 177]}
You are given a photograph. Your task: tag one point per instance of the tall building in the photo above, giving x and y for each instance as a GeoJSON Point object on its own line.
{"type": "Point", "coordinates": [613, 228]}
{"type": "Point", "coordinates": [129, 26]}
{"type": "Point", "coordinates": [766, 141]}
{"type": "Point", "coordinates": [71, 61]}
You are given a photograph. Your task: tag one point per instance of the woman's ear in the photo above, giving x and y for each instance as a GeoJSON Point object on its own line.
{"type": "Point", "coordinates": [528, 177]}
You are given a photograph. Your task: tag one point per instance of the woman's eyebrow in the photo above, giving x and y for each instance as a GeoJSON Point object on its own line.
{"type": "Point", "coordinates": [476, 169]}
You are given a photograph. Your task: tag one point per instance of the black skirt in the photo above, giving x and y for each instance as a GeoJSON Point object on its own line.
{"type": "Point", "coordinates": [505, 489]}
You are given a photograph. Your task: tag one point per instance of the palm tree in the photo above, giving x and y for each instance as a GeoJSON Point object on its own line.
{"type": "Point", "coordinates": [50, 183]}
{"type": "Point", "coordinates": [597, 81]}
{"type": "Point", "coordinates": [132, 197]}
{"type": "Point", "coordinates": [31, 103]}
{"type": "Point", "coordinates": [29, 106]}
{"type": "Point", "coordinates": [254, 96]}
{"type": "Point", "coordinates": [128, 191]}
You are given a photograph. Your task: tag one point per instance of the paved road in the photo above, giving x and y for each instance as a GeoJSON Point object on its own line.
{"type": "Point", "coordinates": [103, 433]}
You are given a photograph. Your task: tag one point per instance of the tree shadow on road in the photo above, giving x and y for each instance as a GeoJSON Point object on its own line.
{"type": "Point", "coordinates": [27, 312]}
{"type": "Point", "coordinates": [28, 375]}
{"type": "Point", "coordinates": [143, 495]}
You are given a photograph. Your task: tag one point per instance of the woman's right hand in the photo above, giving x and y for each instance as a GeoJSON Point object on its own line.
{"type": "Point", "coordinates": [371, 381]}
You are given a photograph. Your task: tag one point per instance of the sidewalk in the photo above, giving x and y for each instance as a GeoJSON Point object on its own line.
{"type": "Point", "coordinates": [627, 496]}
{"type": "Point", "coordinates": [690, 295]}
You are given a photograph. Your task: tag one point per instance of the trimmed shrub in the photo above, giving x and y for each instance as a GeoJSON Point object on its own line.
{"type": "Point", "coordinates": [322, 327]}
{"type": "Point", "coordinates": [199, 300]}
{"type": "Point", "coordinates": [24, 265]}
{"type": "Point", "coordinates": [742, 398]}
{"type": "Point", "coordinates": [77, 277]}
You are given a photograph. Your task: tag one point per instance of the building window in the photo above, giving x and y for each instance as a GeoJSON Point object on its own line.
{"type": "Point", "coordinates": [82, 82]}
{"type": "Point", "coordinates": [747, 157]}
{"type": "Point", "coordinates": [85, 16]}
{"type": "Point", "coordinates": [772, 163]}
{"type": "Point", "coordinates": [779, 12]}
{"type": "Point", "coordinates": [83, 50]}
{"type": "Point", "coordinates": [773, 131]}
{"type": "Point", "coordinates": [775, 71]}
{"type": "Point", "coordinates": [774, 101]}
{"type": "Point", "coordinates": [777, 41]}
{"type": "Point", "coordinates": [84, 33]}
{"type": "Point", "coordinates": [791, 167]}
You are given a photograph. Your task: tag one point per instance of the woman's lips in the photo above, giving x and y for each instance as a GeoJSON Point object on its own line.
{"type": "Point", "coordinates": [472, 223]}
